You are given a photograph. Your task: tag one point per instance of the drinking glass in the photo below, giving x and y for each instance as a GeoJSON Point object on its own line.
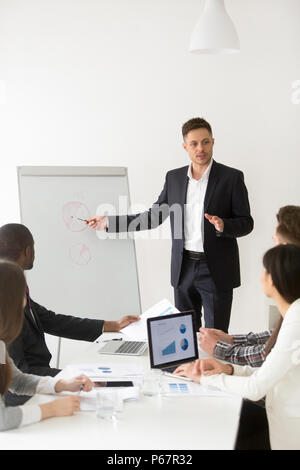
{"type": "Point", "coordinates": [152, 385]}
{"type": "Point", "coordinates": [106, 404]}
{"type": "Point", "coordinates": [119, 402]}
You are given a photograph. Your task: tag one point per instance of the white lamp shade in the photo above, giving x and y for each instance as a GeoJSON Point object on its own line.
{"type": "Point", "coordinates": [215, 32]}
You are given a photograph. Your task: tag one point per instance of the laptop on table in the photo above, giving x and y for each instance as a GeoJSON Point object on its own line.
{"type": "Point", "coordinates": [172, 340]}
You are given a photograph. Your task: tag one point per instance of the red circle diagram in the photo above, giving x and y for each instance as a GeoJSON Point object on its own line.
{"type": "Point", "coordinates": [72, 213]}
{"type": "Point", "coordinates": [80, 254]}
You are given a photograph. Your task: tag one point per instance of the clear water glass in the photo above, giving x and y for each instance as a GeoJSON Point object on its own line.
{"type": "Point", "coordinates": [119, 403]}
{"type": "Point", "coordinates": [106, 404]}
{"type": "Point", "coordinates": [152, 384]}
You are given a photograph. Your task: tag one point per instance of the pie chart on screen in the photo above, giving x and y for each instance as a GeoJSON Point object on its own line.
{"type": "Point", "coordinates": [184, 344]}
{"type": "Point", "coordinates": [182, 328]}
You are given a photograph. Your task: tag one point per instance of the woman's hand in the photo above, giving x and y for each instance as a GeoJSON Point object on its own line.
{"type": "Point", "coordinates": [82, 382]}
{"type": "Point", "coordinates": [186, 370]}
{"type": "Point", "coordinates": [203, 367]}
{"type": "Point", "coordinates": [64, 406]}
{"type": "Point", "coordinates": [211, 366]}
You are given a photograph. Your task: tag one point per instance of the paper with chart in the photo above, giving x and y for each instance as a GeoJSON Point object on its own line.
{"type": "Point", "coordinates": [102, 371]}
{"type": "Point", "coordinates": [175, 389]}
{"type": "Point", "coordinates": [138, 331]}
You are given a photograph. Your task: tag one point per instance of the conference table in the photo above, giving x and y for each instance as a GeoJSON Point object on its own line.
{"type": "Point", "coordinates": [160, 422]}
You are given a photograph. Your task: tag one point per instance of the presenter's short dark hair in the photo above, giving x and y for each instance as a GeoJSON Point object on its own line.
{"type": "Point", "coordinates": [288, 227]}
{"type": "Point", "coordinates": [195, 123]}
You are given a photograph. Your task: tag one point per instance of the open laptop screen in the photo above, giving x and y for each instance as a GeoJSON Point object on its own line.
{"type": "Point", "coordinates": [172, 339]}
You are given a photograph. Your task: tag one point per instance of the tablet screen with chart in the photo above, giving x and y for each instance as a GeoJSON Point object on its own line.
{"type": "Point", "coordinates": [172, 339]}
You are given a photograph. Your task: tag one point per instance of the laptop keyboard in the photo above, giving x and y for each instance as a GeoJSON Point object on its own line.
{"type": "Point", "coordinates": [170, 369]}
{"type": "Point", "coordinates": [127, 347]}
{"type": "Point", "coordinates": [130, 347]}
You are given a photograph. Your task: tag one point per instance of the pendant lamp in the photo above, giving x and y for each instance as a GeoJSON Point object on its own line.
{"type": "Point", "coordinates": [215, 32]}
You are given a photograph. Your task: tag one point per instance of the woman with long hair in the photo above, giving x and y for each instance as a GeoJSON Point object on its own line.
{"type": "Point", "coordinates": [12, 302]}
{"type": "Point", "coordinates": [279, 376]}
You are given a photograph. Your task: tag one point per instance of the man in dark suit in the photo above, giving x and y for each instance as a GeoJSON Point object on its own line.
{"type": "Point", "coordinates": [29, 350]}
{"type": "Point", "coordinates": [208, 207]}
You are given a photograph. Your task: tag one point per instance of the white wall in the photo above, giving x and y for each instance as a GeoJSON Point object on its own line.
{"type": "Point", "coordinates": [110, 82]}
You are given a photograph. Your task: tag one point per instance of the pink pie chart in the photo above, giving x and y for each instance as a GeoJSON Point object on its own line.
{"type": "Point", "coordinates": [72, 213]}
{"type": "Point", "coordinates": [80, 254]}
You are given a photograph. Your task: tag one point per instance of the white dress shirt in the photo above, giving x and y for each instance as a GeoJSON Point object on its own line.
{"type": "Point", "coordinates": [194, 210]}
{"type": "Point", "coordinates": [278, 378]}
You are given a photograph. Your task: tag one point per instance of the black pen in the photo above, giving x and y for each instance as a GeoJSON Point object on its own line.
{"type": "Point", "coordinates": [114, 339]}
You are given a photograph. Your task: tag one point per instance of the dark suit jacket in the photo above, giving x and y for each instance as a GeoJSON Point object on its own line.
{"type": "Point", "coordinates": [226, 196]}
{"type": "Point", "coordinates": [29, 350]}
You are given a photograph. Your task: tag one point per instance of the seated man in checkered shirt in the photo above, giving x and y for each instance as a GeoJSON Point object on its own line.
{"type": "Point", "coordinates": [249, 349]}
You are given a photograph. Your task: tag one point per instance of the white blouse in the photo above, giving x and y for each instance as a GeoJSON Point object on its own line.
{"type": "Point", "coordinates": [33, 413]}
{"type": "Point", "coordinates": [278, 379]}
{"type": "Point", "coordinates": [12, 417]}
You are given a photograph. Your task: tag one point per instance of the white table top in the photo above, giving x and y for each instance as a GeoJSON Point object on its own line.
{"type": "Point", "coordinates": [160, 422]}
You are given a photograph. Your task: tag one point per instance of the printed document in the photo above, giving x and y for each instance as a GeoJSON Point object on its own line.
{"type": "Point", "coordinates": [137, 331]}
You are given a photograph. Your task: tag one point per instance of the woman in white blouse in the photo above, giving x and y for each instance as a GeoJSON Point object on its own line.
{"type": "Point", "coordinates": [279, 377]}
{"type": "Point", "coordinates": [12, 302]}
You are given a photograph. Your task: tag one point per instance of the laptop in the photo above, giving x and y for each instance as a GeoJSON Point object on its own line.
{"type": "Point", "coordinates": [127, 348]}
{"type": "Point", "coordinates": [172, 340]}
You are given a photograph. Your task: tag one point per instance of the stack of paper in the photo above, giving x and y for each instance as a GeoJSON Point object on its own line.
{"type": "Point", "coordinates": [138, 331]}
{"type": "Point", "coordinates": [88, 399]}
